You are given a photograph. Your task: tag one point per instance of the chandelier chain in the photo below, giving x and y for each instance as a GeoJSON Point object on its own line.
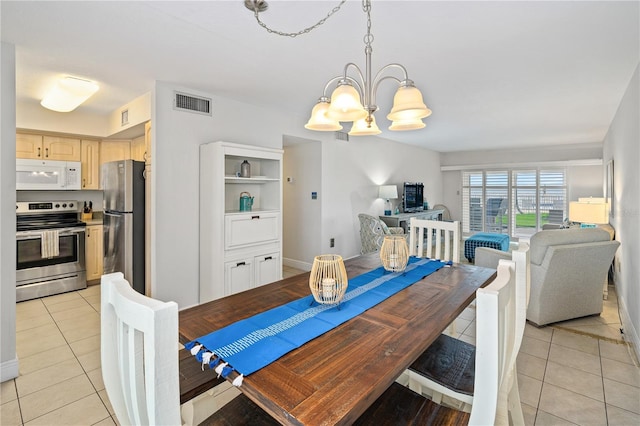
{"type": "Point", "coordinates": [366, 7]}
{"type": "Point", "coordinates": [301, 32]}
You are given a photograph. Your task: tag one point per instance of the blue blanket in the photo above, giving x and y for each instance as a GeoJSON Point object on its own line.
{"type": "Point", "coordinates": [252, 343]}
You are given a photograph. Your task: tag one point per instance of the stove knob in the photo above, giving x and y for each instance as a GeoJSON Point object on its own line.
{"type": "Point", "coordinates": [57, 206]}
{"type": "Point", "coordinates": [64, 205]}
{"type": "Point", "coordinates": [70, 204]}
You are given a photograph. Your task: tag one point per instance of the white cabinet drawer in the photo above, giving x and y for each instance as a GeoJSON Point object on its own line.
{"type": "Point", "coordinates": [251, 229]}
{"type": "Point", "coordinates": [268, 268]}
{"type": "Point", "coordinates": [238, 276]}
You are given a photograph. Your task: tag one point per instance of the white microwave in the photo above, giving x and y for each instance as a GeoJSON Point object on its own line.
{"type": "Point", "coordinates": [44, 175]}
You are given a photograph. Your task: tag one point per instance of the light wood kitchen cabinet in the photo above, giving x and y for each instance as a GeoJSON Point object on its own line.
{"type": "Point", "coordinates": [147, 142]}
{"type": "Point", "coordinates": [114, 150]}
{"type": "Point", "coordinates": [94, 252]}
{"type": "Point", "coordinates": [138, 148]}
{"type": "Point", "coordinates": [90, 160]}
{"type": "Point", "coordinates": [41, 147]}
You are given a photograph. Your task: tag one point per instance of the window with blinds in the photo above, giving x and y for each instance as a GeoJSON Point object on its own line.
{"type": "Point", "coordinates": [514, 202]}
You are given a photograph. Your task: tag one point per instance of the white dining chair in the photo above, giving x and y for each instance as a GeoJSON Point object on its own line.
{"type": "Point", "coordinates": [434, 239]}
{"type": "Point", "coordinates": [139, 353]}
{"type": "Point", "coordinates": [447, 367]}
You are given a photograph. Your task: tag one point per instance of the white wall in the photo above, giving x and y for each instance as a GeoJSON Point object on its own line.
{"type": "Point", "coordinates": [301, 214]}
{"type": "Point", "coordinates": [32, 116]}
{"type": "Point", "coordinates": [583, 181]}
{"type": "Point", "coordinates": [8, 357]}
{"type": "Point", "coordinates": [622, 144]}
{"type": "Point", "coordinates": [351, 174]}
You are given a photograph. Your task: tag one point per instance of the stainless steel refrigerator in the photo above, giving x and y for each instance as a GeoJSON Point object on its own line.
{"type": "Point", "coordinates": [123, 206]}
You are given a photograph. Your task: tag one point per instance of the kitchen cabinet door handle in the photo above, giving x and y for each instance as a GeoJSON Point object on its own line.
{"type": "Point", "coordinates": [84, 182]}
{"type": "Point", "coordinates": [255, 217]}
{"type": "Point", "coordinates": [46, 152]}
{"type": "Point", "coordinates": [268, 258]}
{"type": "Point", "coordinates": [241, 263]}
{"type": "Point", "coordinates": [39, 153]}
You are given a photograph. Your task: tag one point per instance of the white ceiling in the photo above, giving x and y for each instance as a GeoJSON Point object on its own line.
{"type": "Point", "coordinates": [495, 74]}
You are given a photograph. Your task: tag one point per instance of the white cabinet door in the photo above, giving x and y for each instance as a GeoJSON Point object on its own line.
{"type": "Point", "coordinates": [243, 230]}
{"type": "Point", "coordinates": [238, 276]}
{"type": "Point", "coordinates": [268, 268]}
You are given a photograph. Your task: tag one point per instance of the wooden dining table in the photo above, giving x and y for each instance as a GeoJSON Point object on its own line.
{"type": "Point", "coordinates": [334, 378]}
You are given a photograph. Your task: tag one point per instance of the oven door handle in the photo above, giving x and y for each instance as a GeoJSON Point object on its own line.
{"type": "Point", "coordinates": [30, 235]}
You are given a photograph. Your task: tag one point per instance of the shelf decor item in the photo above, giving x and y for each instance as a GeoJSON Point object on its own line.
{"type": "Point", "coordinates": [394, 253]}
{"type": "Point", "coordinates": [328, 279]}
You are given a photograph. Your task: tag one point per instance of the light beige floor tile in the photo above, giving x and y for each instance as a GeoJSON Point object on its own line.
{"type": "Point", "coordinates": [96, 306]}
{"type": "Point", "coordinates": [529, 390]}
{"type": "Point", "coordinates": [605, 331]}
{"type": "Point", "coordinates": [531, 366]}
{"type": "Point", "coordinates": [618, 416]}
{"type": "Point", "coordinates": [106, 422]}
{"type": "Point", "coordinates": [529, 413]}
{"type": "Point", "coordinates": [38, 340]}
{"type": "Point", "coordinates": [576, 341]}
{"type": "Point", "coordinates": [543, 333]}
{"type": "Point", "coordinates": [621, 372]}
{"type": "Point", "coordinates": [41, 360]}
{"type": "Point", "coordinates": [75, 314]}
{"type": "Point", "coordinates": [571, 406]}
{"type": "Point", "coordinates": [90, 361]}
{"type": "Point", "coordinates": [96, 379]}
{"type": "Point", "coordinates": [89, 319]}
{"type": "Point", "coordinates": [468, 314]}
{"type": "Point", "coordinates": [546, 419]}
{"type": "Point", "coordinates": [105, 400]}
{"type": "Point", "coordinates": [617, 351]}
{"type": "Point", "coordinates": [115, 419]}
{"type": "Point", "coordinates": [93, 299]}
{"type": "Point", "coordinates": [575, 358]}
{"type": "Point", "coordinates": [622, 396]}
{"type": "Point", "coordinates": [92, 290]}
{"type": "Point", "coordinates": [471, 329]}
{"type": "Point", "coordinates": [86, 411]}
{"type": "Point", "coordinates": [535, 347]}
{"type": "Point", "coordinates": [10, 414]}
{"type": "Point", "coordinates": [60, 298]}
{"type": "Point", "coordinates": [84, 346]}
{"type": "Point", "coordinates": [29, 309]}
{"type": "Point", "coordinates": [67, 304]}
{"type": "Point", "coordinates": [8, 391]}
{"type": "Point", "coordinates": [574, 380]}
{"type": "Point", "coordinates": [85, 330]}
{"type": "Point", "coordinates": [461, 325]}
{"type": "Point", "coordinates": [590, 320]}
{"type": "Point", "coordinates": [33, 322]}
{"type": "Point", "coordinates": [610, 314]}
{"type": "Point", "coordinates": [49, 376]}
{"type": "Point", "coordinates": [46, 400]}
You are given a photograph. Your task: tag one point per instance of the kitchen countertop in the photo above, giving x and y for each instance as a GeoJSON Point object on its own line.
{"type": "Point", "coordinates": [95, 220]}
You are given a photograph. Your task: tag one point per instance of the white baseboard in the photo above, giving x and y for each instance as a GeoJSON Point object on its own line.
{"type": "Point", "coordinates": [292, 263]}
{"type": "Point", "coordinates": [630, 333]}
{"type": "Point", "coordinates": [9, 369]}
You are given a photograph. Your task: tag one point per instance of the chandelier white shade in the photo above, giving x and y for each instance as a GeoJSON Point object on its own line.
{"type": "Point", "coordinates": [320, 121]}
{"type": "Point", "coordinates": [354, 97]}
{"type": "Point", "coordinates": [68, 94]}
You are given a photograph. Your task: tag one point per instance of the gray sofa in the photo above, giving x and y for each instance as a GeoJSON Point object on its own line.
{"type": "Point", "coordinates": [568, 270]}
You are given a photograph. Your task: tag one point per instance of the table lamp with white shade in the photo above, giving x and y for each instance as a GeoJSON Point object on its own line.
{"type": "Point", "coordinates": [589, 212]}
{"type": "Point", "coordinates": [388, 192]}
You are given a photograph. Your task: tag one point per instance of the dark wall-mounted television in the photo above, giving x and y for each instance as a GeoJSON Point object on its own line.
{"type": "Point", "coordinates": [412, 197]}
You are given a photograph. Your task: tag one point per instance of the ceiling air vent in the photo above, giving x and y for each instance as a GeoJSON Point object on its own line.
{"type": "Point", "coordinates": [343, 136]}
{"type": "Point", "coordinates": [191, 103]}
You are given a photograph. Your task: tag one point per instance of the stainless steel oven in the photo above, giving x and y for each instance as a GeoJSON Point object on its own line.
{"type": "Point", "coordinates": [42, 273]}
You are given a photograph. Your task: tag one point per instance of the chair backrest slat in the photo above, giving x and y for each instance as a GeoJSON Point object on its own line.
{"type": "Point", "coordinates": [139, 353]}
{"type": "Point", "coordinates": [436, 233]}
{"type": "Point", "coordinates": [495, 342]}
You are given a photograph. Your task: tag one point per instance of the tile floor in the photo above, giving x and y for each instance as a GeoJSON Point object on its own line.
{"type": "Point", "coordinates": [578, 372]}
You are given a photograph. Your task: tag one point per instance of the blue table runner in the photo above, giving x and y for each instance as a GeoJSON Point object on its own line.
{"type": "Point", "coordinates": [250, 344]}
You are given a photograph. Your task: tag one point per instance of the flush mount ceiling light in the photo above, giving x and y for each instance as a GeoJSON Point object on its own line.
{"type": "Point", "coordinates": [354, 98]}
{"type": "Point", "coordinates": [68, 94]}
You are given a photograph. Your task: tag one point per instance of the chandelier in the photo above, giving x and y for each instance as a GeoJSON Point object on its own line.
{"type": "Point", "coordinates": [354, 96]}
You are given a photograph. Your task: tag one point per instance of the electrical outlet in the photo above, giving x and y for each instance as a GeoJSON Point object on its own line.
{"type": "Point", "coordinates": [332, 242]}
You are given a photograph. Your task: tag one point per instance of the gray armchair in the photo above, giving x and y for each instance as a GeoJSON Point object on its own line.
{"type": "Point", "coordinates": [568, 270]}
{"type": "Point", "coordinates": [372, 232]}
